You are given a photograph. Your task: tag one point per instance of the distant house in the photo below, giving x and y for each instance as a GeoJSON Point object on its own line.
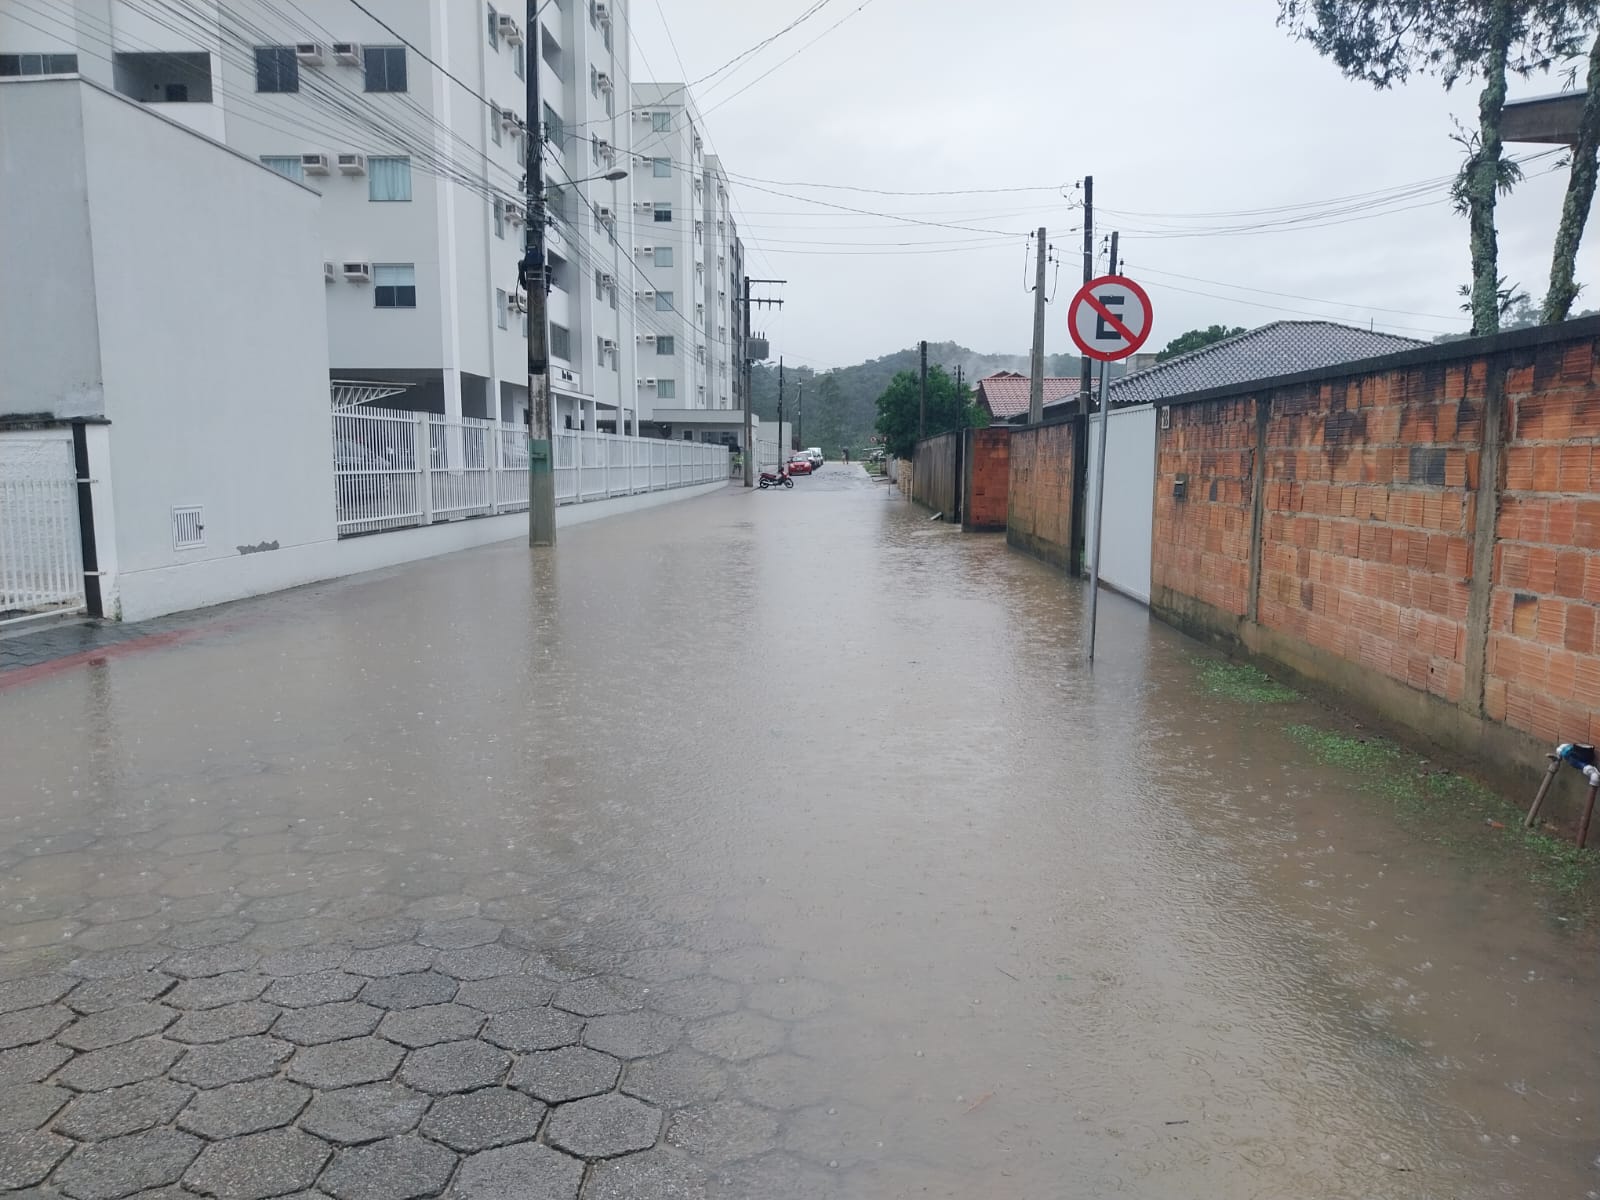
{"type": "Point", "coordinates": [1005, 394]}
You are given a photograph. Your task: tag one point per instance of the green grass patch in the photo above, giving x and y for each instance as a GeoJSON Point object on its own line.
{"type": "Point", "coordinates": [1241, 681]}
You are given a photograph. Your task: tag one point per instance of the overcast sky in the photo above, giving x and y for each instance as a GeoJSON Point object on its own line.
{"type": "Point", "coordinates": [1175, 114]}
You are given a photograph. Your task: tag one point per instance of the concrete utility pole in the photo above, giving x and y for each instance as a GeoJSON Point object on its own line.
{"type": "Point", "coordinates": [541, 476]}
{"type": "Point", "coordinates": [1085, 378]}
{"type": "Point", "coordinates": [1100, 477]}
{"type": "Point", "coordinates": [922, 406]}
{"type": "Point", "coordinates": [783, 454]}
{"type": "Point", "coordinates": [800, 412]}
{"type": "Point", "coordinates": [749, 358]}
{"type": "Point", "coordinates": [1036, 382]}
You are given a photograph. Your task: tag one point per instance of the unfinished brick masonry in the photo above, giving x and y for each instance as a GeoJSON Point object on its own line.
{"type": "Point", "coordinates": [1331, 522]}
{"type": "Point", "coordinates": [988, 478]}
{"type": "Point", "coordinates": [1039, 491]}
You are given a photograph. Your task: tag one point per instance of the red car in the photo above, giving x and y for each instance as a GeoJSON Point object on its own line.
{"type": "Point", "coordinates": [800, 465]}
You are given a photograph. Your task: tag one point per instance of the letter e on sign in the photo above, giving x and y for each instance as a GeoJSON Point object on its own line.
{"type": "Point", "coordinates": [1109, 318]}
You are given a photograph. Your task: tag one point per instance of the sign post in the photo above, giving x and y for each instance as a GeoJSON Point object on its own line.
{"type": "Point", "coordinates": [1109, 319]}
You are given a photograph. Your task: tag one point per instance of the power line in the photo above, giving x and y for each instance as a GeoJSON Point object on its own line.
{"type": "Point", "coordinates": [1294, 296]}
{"type": "Point", "coordinates": [771, 70]}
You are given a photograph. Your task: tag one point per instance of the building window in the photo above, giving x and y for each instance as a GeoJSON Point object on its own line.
{"type": "Point", "coordinates": [667, 389]}
{"type": "Point", "coordinates": [499, 218]}
{"type": "Point", "coordinates": [500, 307]}
{"type": "Point", "coordinates": [661, 168]}
{"type": "Point", "coordinates": [555, 130]}
{"type": "Point", "coordinates": [277, 69]}
{"type": "Point", "coordinates": [38, 64]}
{"type": "Point", "coordinates": [560, 342]}
{"type": "Point", "coordinates": [550, 51]}
{"type": "Point", "coordinates": [663, 214]}
{"type": "Point", "coordinates": [663, 256]}
{"type": "Point", "coordinates": [610, 111]}
{"type": "Point", "coordinates": [599, 352]}
{"type": "Point", "coordinates": [494, 29]}
{"type": "Point", "coordinates": [519, 61]}
{"type": "Point", "coordinates": [661, 122]}
{"type": "Point", "coordinates": [594, 80]}
{"type": "Point", "coordinates": [494, 123]}
{"type": "Point", "coordinates": [386, 68]}
{"type": "Point", "coordinates": [665, 344]}
{"type": "Point", "coordinates": [287, 165]}
{"type": "Point", "coordinates": [388, 179]}
{"type": "Point", "coordinates": [663, 301]}
{"type": "Point", "coordinates": [394, 285]}
{"type": "Point", "coordinates": [560, 273]}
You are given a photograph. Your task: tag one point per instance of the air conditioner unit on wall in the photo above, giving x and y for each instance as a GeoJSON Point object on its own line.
{"type": "Point", "coordinates": [509, 120]}
{"type": "Point", "coordinates": [511, 210]}
{"type": "Point", "coordinates": [608, 344]}
{"type": "Point", "coordinates": [328, 272]}
{"type": "Point", "coordinates": [506, 26]}
{"type": "Point", "coordinates": [603, 81]}
{"type": "Point", "coordinates": [309, 53]}
{"type": "Point", "coordinates": [358, 272]}
{"type": "Point", "coordinates": [605, 213]}
{"type": "Point", "coordinates": [352, 164]}
{"type": "Point", "coordinates": [607, 279]}
{"type": "Point", "coordinates": [602, 11]}
{"type": "Point", "coordinates": [314, 164]}
{"type": "Point", "coordinates": [348, 53]}
{"type": "Point", "coordinates": [518, 302]}
{"type": "Point", "coordinates": [650, 381]}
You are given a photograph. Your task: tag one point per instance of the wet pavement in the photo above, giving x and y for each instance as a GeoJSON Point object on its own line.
{"type": "Point", "coordinates": [765, 846]}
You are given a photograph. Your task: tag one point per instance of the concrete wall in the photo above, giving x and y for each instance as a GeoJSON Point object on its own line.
{"type": "Point", "coordinates": [1039, 493]}
{"type": "Point", "coordinates": [1421, 535]}
{"type": "Point", "coordinates": [935, 472]}
{"type": "Point", "coordinates": [986, 469]}
{"type": "Point", "coordinates": [1128, 510]}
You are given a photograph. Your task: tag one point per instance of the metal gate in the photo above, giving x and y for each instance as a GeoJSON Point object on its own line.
{"type": "Point", "coordinates": [41, 549]}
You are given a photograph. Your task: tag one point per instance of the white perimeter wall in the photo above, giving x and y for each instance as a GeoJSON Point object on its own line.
{"type": "Point", "coordinates": [1130, 498]}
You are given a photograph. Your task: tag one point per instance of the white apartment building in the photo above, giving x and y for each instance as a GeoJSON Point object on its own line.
{"type": "Point", "coordinates": [411, 125]}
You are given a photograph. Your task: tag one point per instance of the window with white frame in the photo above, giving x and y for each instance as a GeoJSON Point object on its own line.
{"type": "Point", "coordinates": [494, 123]}
{"type": "Point", "coordinates": [290, 166]}
{"type": "Point", "coordinates": [500, 308]}
{"type": "Point", "coordinates": [661, 168]}
{"type": "Point", "coordinates": [663, 256]}
{"type": "Point", "coordinates": [666, 389]}
{"type": "Point", "coordinates": [661, 122]}
{"type": "Point", "coordinates": [494, 29]}
{"type": "Point", "coordinates": [666, 344]}
{"type": "Point", "coordinates": [560, 342]}
{"type": "Point", "coordinates": [385, 68]}
{"type": "Point", "coordinates": [277, 69]}
{"type": "Point", "coordinates": [519, 61]}
{"type": "Point", "coordinates": [389, 179]}
{"type": "Point", "coordinates": [663, 214]}
{"type": "Point", "coordinates": [499, 218]}
{"type": "Point", "coordinates": [394, 285]}
{"type": "Point", "coordinates": [39, 64]}
{"type": "Point", "coordinates": [663, 301]}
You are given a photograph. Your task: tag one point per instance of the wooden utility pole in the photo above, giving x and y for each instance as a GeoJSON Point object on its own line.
{"type": "Point", "coordinates": [1036, 370]}
{"type": "Point", "coordinates": [922, 404]}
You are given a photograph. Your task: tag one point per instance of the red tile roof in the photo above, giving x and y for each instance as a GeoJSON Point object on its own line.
{"type": "Point", "coordinates": [1006, 395]}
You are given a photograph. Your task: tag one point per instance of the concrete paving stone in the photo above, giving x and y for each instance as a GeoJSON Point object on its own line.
{"type": "Point", "coordinates": [101, 995]}
{"type": "Point", "coordinates": [600, 997]}
{"type": "Point", "coordinates": [33, 991]}
{"type": "Point", "coordinates": [192, 885]}
{"type": "Point", "coordinates": [846, 1134]}
{"type": "Point", "coordinates": [753, 964]}
{"type": "Point", "coordinates": [783, 1081]}
{"type": "Point", "coordinates": [242, 1108]}
{"type": "Point", "coordinates": [526, 1172]}
{"type": "Point", "coordinates": [114, 964]}
{"type": "Point", "coordinates": [737, 1036]}
{"type": "Point", "coordinates": [378, 931]}
{"type": "Point", "coordinates": [571, 1073]}
{"type": "Point", "coordinates": [664, 965]}
{"type": "Point", "coordinates": [258, 1165]}
{"type": "Point", "coordinates": [309, 960]}
{"type": "Point", "coordinates": [776, 1175]}
{"type": "Point", "coordinates": [217, 991]}
{"type": "Point", "coordinates": [26, 1158]}
{"type": "Point", "coordinates": [122, 1166]}
{"type": "Point", "coordinates": [792, 1000]}
{"type": "Point", "coordinates": [675, 1079]}
{"type": "Point", "coordinates": [305, 991]}
{"type": "Point", "coordinates": [461, 934]}
{"type": "Point", "coordinates": [431, 1025]}
{"type": "Point", "coordinates": [346, 1063]}
{"type": "Point", "coordinates": [220, 1024]}
{"type": "Point", "coordinates": [117, 1066]}
{"type": "Point", "coordinates": [541, 961]}
{"type": "Point", "coordinates": [117, 1025]}
{"type": "Point", "coordinates": [30, 1064]}
{"type": "Point", "coordinates": [26, 1026]}
{"type": "Point", "coordinates": [214, 960]}
{"type": "Point", "coordinates": [201, 935]}
{"type": "Point", "coordinates": [195, 843]}
{"type": "Point", "coordinates": [403, 1168]}
{"type": "Point", "coordinates": [723, 1131]}
{"type": "Point", "coordinates": [695, 998]}
{"type": "Point", "coordinates": [429, 902]}
{"type": "Point", "coordinates": [27, 1106]}
{"type": "Point", "coordinates": [482, 1120]}
{"type": "Point", "coordinates": [481, 962]}
{"type": "Point", "coordinates": [499, 884]}
{"type": "Point", "coordinates": [604, 1126]}
{"type": "Point", "coordinates": [454, 1067]}
{"type": "Point", "coordinates": [633, 1035]}
{"type": "Point", "coordinates": [327, 1023]}
{"type": "Point", "coordinates": [350, 1116]}
{"type": "Point", "coordinates": [236, 1061]}
{"type": "Point", "coordinates": [505, 993]}
{"type": "Point", "coordinates": [533, 1029]}
{"type": "Point", "coordinates": [399, 959]}
{"type": "Point", "coordinates": [410, 991]}
{"type": "Point", "coordinates": [201, 908]}
{"type": "Point", "coordinates": [585, 959]}
{"type": "Point", "coordinates": [519, 910]}
{"type": "Point", "coordinates": [38, 934]}
{"type": "Point", "coordinates": [121, 934]}
{"type": "Point", "coordinates": [98, 1116]}
{"type": "Point", "coordinates": [657, 1174]}
{"type": "Point", "coordinates": [286, 936]}
{"type": "Point", "coordinates": [120, 908]}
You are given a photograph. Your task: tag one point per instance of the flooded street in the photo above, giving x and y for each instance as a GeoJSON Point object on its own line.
{"type": "Point", "coordinates": [797, 812]}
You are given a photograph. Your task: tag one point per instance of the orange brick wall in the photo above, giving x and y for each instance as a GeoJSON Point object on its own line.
{"type": "Point", "coordinates": [988, 478]}
{"type": "Point", "coordinates": [1544, 661]}
{"type": "Point", "coordinates": [1368, 520]}
{"type": "Point", "coordinates": [1039, 491]}
{"type": "Point", "coordinates": [1201, 546]}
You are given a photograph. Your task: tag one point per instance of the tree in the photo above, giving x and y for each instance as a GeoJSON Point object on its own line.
{"type": "Point", "coordinates": [1383, 42]}
{"type": "Point", "coordinates": [1580, 196]}
{"type": "Point", "coordinates": [1196, 338]}
{"type": "Point", "coordinates": [899, 408]}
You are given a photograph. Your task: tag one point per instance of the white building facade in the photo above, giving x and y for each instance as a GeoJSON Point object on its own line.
{"type": "Point", "coordinates": [411, 125]}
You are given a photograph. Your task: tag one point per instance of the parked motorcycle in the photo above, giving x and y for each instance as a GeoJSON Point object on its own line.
{"type": "Point", "coordinates": [774, 479]}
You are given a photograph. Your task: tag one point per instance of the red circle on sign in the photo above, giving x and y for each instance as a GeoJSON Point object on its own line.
{"type": "Point", "coordinates": [1084, 296]}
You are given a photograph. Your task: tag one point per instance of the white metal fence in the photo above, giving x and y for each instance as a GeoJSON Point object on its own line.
{"type": "Point", "coordinates": [471, 467]}
{"type": "Point", "coordinates": [41, 551]}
